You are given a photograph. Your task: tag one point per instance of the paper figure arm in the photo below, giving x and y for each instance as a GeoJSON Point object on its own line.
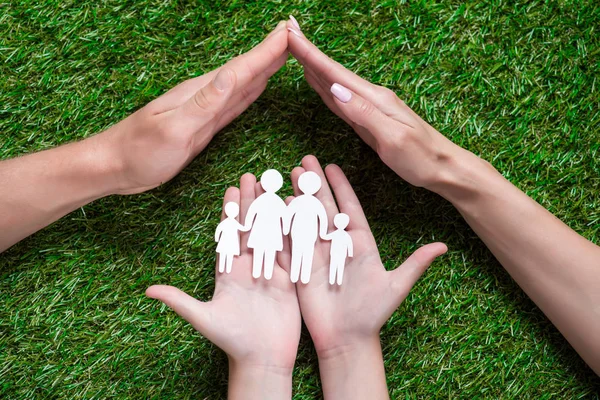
{"type": "Point", "coordinates": [288, 215]}
{"type": "Point", "coordinates": [250, 217]}
{"type": "Point", "coordinates": [241, 227]}
{"type": "Point", "coordinates": [322, 214]}
{"type": "Point", "coordinates": [350, 245]}
{"type": "Point", "coordinates": [218, 232]}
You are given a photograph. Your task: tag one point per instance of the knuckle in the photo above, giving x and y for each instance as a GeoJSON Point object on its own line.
{"type": "Point", "coordinates": [366, 109]}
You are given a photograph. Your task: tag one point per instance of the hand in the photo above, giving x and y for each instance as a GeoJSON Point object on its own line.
{"type": "Point", "coordinates": [158, 141]}
{"type": "Point", "coordinates": [346, 319]}
{"type": "Point", "coordinates": [256, 322]}
{"type": "Point", "coordinates": [404, 141]}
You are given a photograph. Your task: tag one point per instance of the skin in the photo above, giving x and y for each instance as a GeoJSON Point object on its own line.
{"type": "Point", "coordinates": [140, 152]}
{"type": "Point", "coordinates": [556, 267]}
{"type": "Point", "coordinates": [344, 321]}
{"type": "Point", "coordinates": [256, 322]}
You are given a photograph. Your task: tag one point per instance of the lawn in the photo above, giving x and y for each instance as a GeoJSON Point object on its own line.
{"type": "Point", "coordinates": [514, 82]}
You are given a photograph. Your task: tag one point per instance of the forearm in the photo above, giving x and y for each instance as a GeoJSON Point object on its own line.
{"type": "Point", "coordinates": [556, 267]}
{"type": "Point", "coordinates": [354, 372]}
{"type": "Point", "coordinates": [39, 188]}
{"type": "Point", "coordinates": [259, 382]}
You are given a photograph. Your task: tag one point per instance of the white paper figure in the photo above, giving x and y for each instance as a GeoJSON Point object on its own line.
{"type": "Point", "coordinates": [341, 246]}
{"type": "Point", "coordinates": [265, 217]}
{"type": "Point", "coordinates": [306, 217]}
{"type": "Point", "coordinates": [228, 237]}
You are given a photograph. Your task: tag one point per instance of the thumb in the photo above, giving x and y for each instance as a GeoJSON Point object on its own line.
{"type": "Point", "coordinates": [193, 311]}
{"type": "Point", "coordinates": [408, 273]}
{"type": "Point", "coordinates": [207, 102]}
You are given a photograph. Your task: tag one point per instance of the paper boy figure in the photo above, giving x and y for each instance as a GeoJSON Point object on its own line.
{"type": "Point", "coordinates": [341, 245]}
{"type": "Point", "coordinates": [228, 237]}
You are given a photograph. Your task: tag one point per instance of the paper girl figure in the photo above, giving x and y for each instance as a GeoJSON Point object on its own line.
{"type": "Point", "coordinates": [307, 217]}
{"type": "Point", "coordinates": [265, 217]}
{"type": "Point", "coordinates": [341, 245]}
{"type": "Point", "coordinates": [228, 237]}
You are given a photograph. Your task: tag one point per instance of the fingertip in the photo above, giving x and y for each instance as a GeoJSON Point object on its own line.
{"type": "Point", "coordinates": [153, 291]}
{"type": "Point", "coordinates": [248, 178]}
{"type": "Point", "coordinates": [289, 199]}
{"type": "Point", "coordinates": [231, 192]}
{"type": "Point", "coordinates": [332, 169]}
{"type": "Point", "coordinates": [308, 160]}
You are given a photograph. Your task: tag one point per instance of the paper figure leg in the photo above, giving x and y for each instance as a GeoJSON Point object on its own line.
{"type": "Point", "coordinates": [332, 271]}
{"type": "Point", "coordinates": [229, 263]}
{"type": "Point", "coordinates": [296, 262]}
{"type": "Point", "coordinates": [221, 262]}
{"type": "Point", "coordinates": [340, 272]}
{"type": "Point", "coordinates": [269, 263]}
{"type": "Point", "coordinates": [307, 261]}
{"type": "Point", "coordinates": [257, 263]}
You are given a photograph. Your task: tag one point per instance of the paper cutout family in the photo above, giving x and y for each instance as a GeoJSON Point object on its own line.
{"type": "Point", "coordinates": [268, 219]}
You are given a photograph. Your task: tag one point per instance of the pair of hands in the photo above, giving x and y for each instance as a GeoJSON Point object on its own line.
{"type": "Point", "coordinates": [154, 144]}
{"type": "Point", "coordinates": [257, 322]}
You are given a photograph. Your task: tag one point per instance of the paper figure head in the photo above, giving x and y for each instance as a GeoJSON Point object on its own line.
{"type": "Point", "coordinates": [232, 209]}
{"type": "Point", "coordinates": [309, 183]}
{"type": "Point", "coordinates": [341, 221]}
{"type": "Point", "coordinates": [271, 180]}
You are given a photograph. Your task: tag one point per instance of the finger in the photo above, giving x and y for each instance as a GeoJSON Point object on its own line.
{"type": "Point", "coordinates": [310, 163]}
{"type": "Point", "coordinates": [406, 275]}
{"type": "Point", "coordinates": [363, 113]}
{"type": "Point", "coordinates": [193, 311]}
{"type": "Point", "coordinates": [249, 65]}
{"type": "Point", "coordinates": [331, 71]}
{"type": "Point", "coordinates": [296, 172]}
{"type": "Point", "coordinates": [241, 100]}
{"type": "Point", "coordinates": [327, 97]}
{"type": "Point", "coordinates": [176, 96]}
{"type": "Point", "coordinates": [209, 101]}
{"type": "Point", "coordinates": [347, 201]}
{"type": "Point", "coordinates": [247, 182]}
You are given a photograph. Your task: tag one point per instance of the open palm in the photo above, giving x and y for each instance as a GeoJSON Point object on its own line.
{"type": "Point", "coordinates": [339, 316]}
{"type": "Point", "coordinates": [254, 321]}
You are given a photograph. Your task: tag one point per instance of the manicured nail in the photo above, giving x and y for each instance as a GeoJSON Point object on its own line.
{"type": "Point", "coordinates": [295, 31]}
{"type": "Point", "coordinates": [295, 23]}
{"type": "Point", "coordinates": [341, 93]}
{"type": "Point", "coordinates": [224, 79]}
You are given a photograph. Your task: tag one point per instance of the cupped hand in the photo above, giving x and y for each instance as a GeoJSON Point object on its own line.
{"type": "Point", "coordinates": [404, 141]}
{"type": "Point", "coordinates": [339, 317]}
{"type": "Point", "coordinates": [255, 321]}
{"type": "Point", "coordinates": [158, 141]}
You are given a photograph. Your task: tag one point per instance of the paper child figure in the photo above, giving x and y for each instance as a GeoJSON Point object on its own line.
{"type": "Point", "coordinates": [265, 217]}
{"type": "Point", "coordinates": [341, 245]}
{"type": "Point", "coordinates": [307, 217]}
{"type": "Point", "coordinates": [228, 237]}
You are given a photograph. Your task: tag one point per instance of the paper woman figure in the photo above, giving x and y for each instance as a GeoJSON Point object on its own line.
{"type": "Point", "coordinates": [228, 237]}
{"type": "Point", "coordinates": [341, 245]}
{"type": "Point", "coordinates": [265, 218]}
{"type": "Point", "coordinates": [306, 215]}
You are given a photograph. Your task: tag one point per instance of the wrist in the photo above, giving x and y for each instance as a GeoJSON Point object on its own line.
{"type": "Point", "coordinates": [259, 380]}
{"type": "Point", "coordinates": [354, 370]}
{"type": "Point", "coordinates": [462, 176]}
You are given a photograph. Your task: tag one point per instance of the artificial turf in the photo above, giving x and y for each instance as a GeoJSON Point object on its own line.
{"type": "Point", "coordinates": [516, 82]}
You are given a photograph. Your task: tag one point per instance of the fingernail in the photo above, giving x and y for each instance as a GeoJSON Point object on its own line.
{"type": "Point", "coordinates": [295, 31]}
{"type": "Point", "coordinates": [295, 23]}
{"type": "Point", "coordinates": [223, 80]}
{"type": "Point", "coordinates": [341, 93]}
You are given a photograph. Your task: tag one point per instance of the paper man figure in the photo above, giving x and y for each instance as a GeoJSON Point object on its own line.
{"type": "Point", "coordinates": [265, 217]}
{"type": "Point", "coordinates": [228, 237]}
{"type": "Point", "coordinates": [341, 245]}
{"type": "Point", "coordinates": [307, 217]}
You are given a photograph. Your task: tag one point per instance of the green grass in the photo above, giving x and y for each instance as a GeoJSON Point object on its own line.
{"type": "Point", "coordinates": [514, 82]}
